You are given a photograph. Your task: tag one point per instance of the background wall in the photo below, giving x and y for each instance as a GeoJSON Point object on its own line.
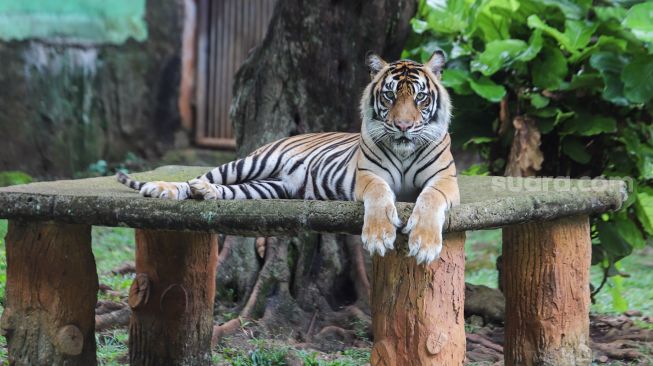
{"type": "Point", "coordinates": [94, 80]}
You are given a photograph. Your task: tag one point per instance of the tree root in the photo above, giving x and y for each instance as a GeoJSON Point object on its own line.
{"type": "Point", "coordinates": [109, 314]}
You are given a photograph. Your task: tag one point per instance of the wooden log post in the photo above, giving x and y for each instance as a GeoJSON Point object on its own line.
{"type": "Point", "coordinates": [49, 316]}
{"type": "Point", "coordinates": [417, 310]}
{"type": "Point", "coordinates": [172, 298]}
{"type": "Point", "coordinates": [546, 269]}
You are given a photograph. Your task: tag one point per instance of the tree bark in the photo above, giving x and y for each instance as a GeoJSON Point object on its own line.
{"type": "Point", "coordinates": [49, 316]}
{"type": "Point", "coordinates": [307, 76]}
{"type": "Point", "coordinates": [172, 298]}
{"type": "Point", "coordinates": [546, 285]}
{"type": "Point", "coordinates": [309, 72]}
{"type": "Point", "coordinates": [418, 310]}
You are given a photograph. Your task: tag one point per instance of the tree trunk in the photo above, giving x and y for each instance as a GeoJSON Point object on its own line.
{"type": "Point", "coordinates": [545, 277]}
{"type": "Point", "coordinates": [172, 298]}
{"type": "Point", "coordinates": [417, 310]}
{"type": "Point", "coordinates": [49, 316]}
{"type": "Point", "coordinates": [306, 76]}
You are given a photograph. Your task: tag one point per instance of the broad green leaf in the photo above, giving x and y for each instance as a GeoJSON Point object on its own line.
{"type": "Point", "coordinates": [535, 22]}
{"type": "Point", "coordinates": [637, 76]}
{"type": "Point", "coordinates": [545, 125]}
{"type": "Point", "coordinates": [639, 20]}
{"type": "Point", "coordinates": [538, 101]}
{"type": "Point", "coordinates": [497, 54]}
{"type": "Point", "coordinates": [589, 125]}
{"type": "Point", "coordinates": [584, 81]}
{"type": "Point", "coordinates": [549, 70]}
{"type": "Point", "coordinates": [534, 47]}
{"type": "Point", "coordinates": [419, 26]}
{"type": "Point", "coordinates": [571, 9]}
{"type": "Point", "coordinates": [453, 17]}
{"type": "Point", "coordinates": [579, 32]}
{"type": "Point", "coordinates": [644, 208]}
{"type": "Point", "coordinates": [610, 65]}
{"type": "Point", "coordinates": [458, 80]}
{"type": "Point", "coordinates": [629, 231]}
{"type": "Point", "coordinates": [612, 241]}
{"type": "Point", "coordinates": [604, 43]}
{"type": "Point", "coordinates": [645, 162]}
{"type": "Point", "coordinates": [487, 89]}
{"type": "Point", "coordinates": [606, 13]}
{"type": "Point", "coordinates": [575, 150]}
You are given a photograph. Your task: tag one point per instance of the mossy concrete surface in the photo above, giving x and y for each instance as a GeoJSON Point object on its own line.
{"type": "Point", "coordinates": [487, 202]}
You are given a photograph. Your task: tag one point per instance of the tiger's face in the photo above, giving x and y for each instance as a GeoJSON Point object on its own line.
{"type": "Point", "coordinates": [405, 106]}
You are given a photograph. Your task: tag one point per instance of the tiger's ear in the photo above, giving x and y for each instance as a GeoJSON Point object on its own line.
{"type": "Point", "coordinates": [374, 63]}
{"type": "Point", "coordinates": [436, 62]}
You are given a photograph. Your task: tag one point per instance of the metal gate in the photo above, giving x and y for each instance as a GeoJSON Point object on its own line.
{"type": "Point", "coordinates": [227, 31]}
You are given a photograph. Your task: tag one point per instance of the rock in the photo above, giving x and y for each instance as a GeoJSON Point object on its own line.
{"type": "Point", "coordinates": [633, 313]}
{"type": "Point", "coordinates": [485, 302]}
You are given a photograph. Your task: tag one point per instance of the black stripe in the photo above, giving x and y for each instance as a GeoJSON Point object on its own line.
{"type": "Point", "coordinates": [436, 173]}
{"type": "Point", "coordinates": [209, 176]}
{"type": "Point", "coordinates": [378, 164]}
{"type": "Point", "coordinates": [437, 156]}
{"type": "Point", "coordinates": [257, 189]}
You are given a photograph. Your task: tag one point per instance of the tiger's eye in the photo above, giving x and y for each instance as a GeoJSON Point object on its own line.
{"type": "Point", "coordinates": [389, 95]}
{"type": "Point", "coordinates": [420, 97]}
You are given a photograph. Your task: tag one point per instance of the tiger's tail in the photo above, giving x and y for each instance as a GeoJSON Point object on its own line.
{"type": "Point", "coordinates": [129, 181]}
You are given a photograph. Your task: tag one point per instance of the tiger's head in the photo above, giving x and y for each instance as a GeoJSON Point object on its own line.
{"type": "Point", "coordinates": [405, 105]}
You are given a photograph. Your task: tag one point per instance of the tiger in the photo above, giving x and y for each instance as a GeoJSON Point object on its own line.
{"type": "Point", "coordinates": [402, 153]}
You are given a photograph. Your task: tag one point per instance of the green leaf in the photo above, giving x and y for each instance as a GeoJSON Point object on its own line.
{"type": "Point", "coordinates": [419, 26]}
{"type": "Point", "coordinates": [453, 17]}
{"type": "Point", "coordinates": [549, 70]}
{"type": "Point", "coordinates": [584, 81]}
{"type": "Point", "coordinates": [579, 32]}
{"type": "Point", "coordinates": [639, 20]}
{"type": "Point", "coordinates": [612, 241]}
{"type": "Point", "coordinates": [538, 101]}
{"type": "Point", "coordinates": [536, 23]}
{"type": "Point", "coordinates": [478, 141]}
{"type": "Point", "coordinates": [487, 89]}
{"type": "Point", "coordinates": [545, 125]}
{"type": "Point", "coordinates": [610, 65]}
{"type": "Point", "coordinates": [571, 9]}
{"type": "Point", "coordinates": [644, 208]}
{"type": "Point", "coordinates": [629, 231]}
{"type": "Point", "coordinates": [604, 43]}
{"type": "Point", "coordinates": [492, 25]}
{"type": "Point", "coordinates": [497, 54]}
{"type": "Point", "coordinates": [589, 125]}
{"type": "Point", "coordinates": [534, 47]}
{"type": "Point", "coordinates": [606, 13]}
{"type": "Point", "coordinates": [637, 76]}
{"type": "Point", "coordinates": [575, 149]}
{"type": "Point", "coordinates": [458, 80]}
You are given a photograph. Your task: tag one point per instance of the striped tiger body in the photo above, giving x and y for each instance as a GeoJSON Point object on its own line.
{"type": "Point", "coordinates": [402, 153]}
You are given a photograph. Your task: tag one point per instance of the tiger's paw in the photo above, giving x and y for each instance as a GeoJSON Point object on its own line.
{"type": "Point", "coordinates": [424, 228]}
{"type": "Point", "coordinates": [202, 189]}
{"type": "Point", "coordinates": [167, 190]}
{"type": "Point", "coordinates": [380, 228]}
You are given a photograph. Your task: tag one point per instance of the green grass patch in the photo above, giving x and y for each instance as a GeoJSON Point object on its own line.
{"type": "Point", "coordinates": [481, 251]}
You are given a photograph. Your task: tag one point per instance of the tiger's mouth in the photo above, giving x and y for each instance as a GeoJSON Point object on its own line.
{"type": "Point", "coordinates": [404, 140]}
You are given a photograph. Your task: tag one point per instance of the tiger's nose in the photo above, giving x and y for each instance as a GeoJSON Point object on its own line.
{"type": "Point", "coordinates": [403, 125]}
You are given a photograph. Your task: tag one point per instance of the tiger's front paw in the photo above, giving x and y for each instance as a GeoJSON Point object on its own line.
{"type": "Point", "coordinates": [380, 227]}
{"type": "Point", "coordinates": [425, 233]}
{"type": "Point", "coordinates": [202, 189]}
{"type": "Point", "coordinates": [166, 190]}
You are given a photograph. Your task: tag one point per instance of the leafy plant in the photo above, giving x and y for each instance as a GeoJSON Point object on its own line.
{"type": "Point", "coordinates": [577, 76]}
